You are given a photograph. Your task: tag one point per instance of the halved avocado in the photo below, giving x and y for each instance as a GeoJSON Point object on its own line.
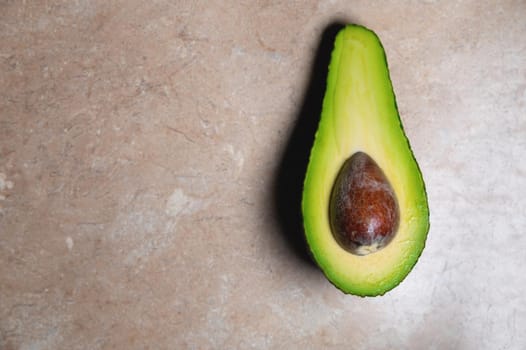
{"type": "Point", "coordinates": [360, 116]}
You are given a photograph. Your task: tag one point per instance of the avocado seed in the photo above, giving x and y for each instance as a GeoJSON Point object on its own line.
{"type": "Point", "coordinates": [363, 210]}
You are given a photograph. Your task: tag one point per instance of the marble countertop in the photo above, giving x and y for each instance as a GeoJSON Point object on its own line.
{"type": "Point", "coordinates": [151, 160]}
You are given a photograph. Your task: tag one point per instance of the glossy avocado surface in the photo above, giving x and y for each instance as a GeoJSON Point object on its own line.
{"type": "Point", "coordinates": [360, 123]}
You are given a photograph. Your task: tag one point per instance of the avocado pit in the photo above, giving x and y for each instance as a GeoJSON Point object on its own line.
{"type": "Point", "coordinates": [363, 208]}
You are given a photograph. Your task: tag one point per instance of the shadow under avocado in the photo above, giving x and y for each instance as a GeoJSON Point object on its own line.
{"type": "Point", "coordinates": [290, 174]}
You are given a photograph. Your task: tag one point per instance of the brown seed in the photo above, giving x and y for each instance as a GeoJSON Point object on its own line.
{"type": "Point", "coordinates": [363, 209]}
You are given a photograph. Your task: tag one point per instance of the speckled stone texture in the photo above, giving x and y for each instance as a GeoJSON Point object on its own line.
{"type": "Point", "coordinates": [150, 160]}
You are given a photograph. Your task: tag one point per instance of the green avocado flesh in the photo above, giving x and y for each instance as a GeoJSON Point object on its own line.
{"type": "Point", "coordinates": [359, 114]}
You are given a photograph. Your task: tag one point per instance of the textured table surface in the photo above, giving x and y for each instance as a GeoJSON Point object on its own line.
{"type": "Point", "coordinates": [151, 156]}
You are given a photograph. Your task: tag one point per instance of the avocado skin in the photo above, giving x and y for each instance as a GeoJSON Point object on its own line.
{"type": "Point", "coordinates": [337, 266]}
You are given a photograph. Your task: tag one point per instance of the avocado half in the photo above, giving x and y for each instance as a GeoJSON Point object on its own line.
{"type": "Point", "coordinates": [359, 114]}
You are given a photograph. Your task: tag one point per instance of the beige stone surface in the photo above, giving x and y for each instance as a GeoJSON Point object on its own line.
{"type": "Point", "coordinates": [142, 200]}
